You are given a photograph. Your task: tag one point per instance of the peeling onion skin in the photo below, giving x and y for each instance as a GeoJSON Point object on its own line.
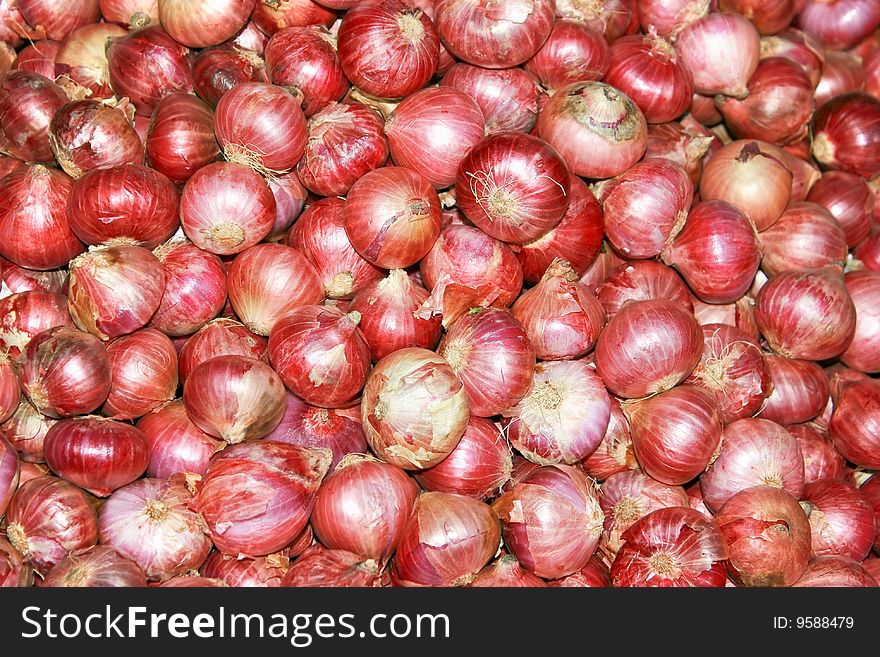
{"type": "Point", "coordinates": [95, 567]}
{"type": "Point", "coordinates": [180, 137]}
{"type": "Point", "coordinates": [26, 431]}
{"type": "Point", "coordinates": [320, 567]}
{"type": "Point", "coordinates": [821, 459]}
{"type": "Point", "coordinates": [268, 571]}
{"type": "Point", "coordinates": [806, 236]}
{"type": "Point", "coordinates": [28, 101]}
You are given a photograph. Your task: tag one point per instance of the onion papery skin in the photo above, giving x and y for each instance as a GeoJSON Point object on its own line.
{"type": "Point", "coordinates": [855, 424]}
{"type": "Point", "coordinates": [262, 126]}
{"type": "Point", "coordinates": [671, 547]}
{"type": "Point", "coordinates": [648, 347]}
{"type": "Point", "coordinates": [507, 97]}
{"type": "Point", "coordinates": [414, 409]}
{"type": "Point", "coordinates": [615, 453]}
{"type": "Point", "coordinates": [839, 23]}
{"type": "Point", "coordinates": [115, 290]}
{"type": "Point", "coordinates": [34, 222]}
{"type": "Point", "coordinates": [721, 51]}
{"type": "Point", "coordinates": [446, 542]}
{"type": "Point", "coordinates": [127, 202]}
{"type": "Point", "coordinates": [304, 59]}
{"type": "Point", "coordinates": [39, 57]}
{"type": "Point", "coordinates": [320, 567]}
{"type": "Point", "coordinates": [868, 251]}
{"type": "Point", "coordinates": [345, 142]}
{"type": "Point", "coordinates": [491, 353]}
{"type": "Point", "coordinates": [49, 518]}
{"type": "Point", "coordinates": [220, 337]}
{"type": "Point", "coordinates": [800, 47]}
{"type": "Point", "coordinates": [257, 497]}
{"type": "Point", "coordinates": [130, 14]}
{"type": "Point", "coordinates": [644, 207]}
{"type": "Point", "coordinates": [598, 130]}
{"type": "Point", "coordinates": [18, 279]}
{"type": "Point", "coordinates": [392, 217]}
{"type": "Point", "coordinates": [864, 352]}
{"type": "Point", "coordinates": [754, 452]}
{"type": "Point", "coordinates": [733, 370]}
{"type": "Point", "coordinates": [836, 572]}
{"type": "Point", "coordinates": [226, 208]}
{"type": "Point", "coordinates": [807, 314]}
{"type": "Point", "coordinates": [806, 236]}
{"type": "Point", "coordinates": [847, 134]}
{"type": "Point", "coordinates": [363, 506]}
{"type": "Point", "coordinates": [96, 454]}
{"type": "Point", "coordinates": [319, 234]}
{"type": "Point", "coordinates": [180, 138]}
{"type": "Point", "coordinates": [267, 571]}
{"type": "Point", "coordinates": [769, 17]}
{"type": "Point", "coordinates": [388, 48]}
{"type": "Point", "coordinates": [594, 575]}
{"type": "Point", "coordinates": [647, 70]}
{"type": "Point", "coordinates": [152, 522]}
{"type": "Point", "coordinates": [842, 73]}
{"type": "Point", "coordinates": [176, 445]}
{"type": "Point", "coordinates": [25, 314]}
{"type": "Point", "coordinates": [100, 566]}
{"type": "Point", "coordinates": [82, 58]}
{"type": "Point", "coordinates": [821, 459]}
{"type": "Point", "coordinates": [564, 416]}
{"type": "Point", "coordinates": [234, 398]}
{"type": "Point", "coordinates": [217, 70]}
{"type": "Point", "coordinates": [163, 65]}
{"type": "Point", "coordinates": [768, 537]}
{"type": "Point", "coordinates": [683, 144]}
{"type": "Point", "coordinates": [28, 101]}
{"type": "Point", "coordinates": [55, 20]}
{"type": "Point", "coordinates": [799, 390]}
{"type": "Point", "coordinates": [200, 26]}
{"type": "Point", "coordinates": [272, 17]}
{"type": "Point", "coordinates": [847, 197]}
{"type": "Point", "coordinates": [144, 374]}
{"type": "Point", "coordinates": [614, 18]}
{"type": "Point", "coordinates": [841, 520]}
{"type": "Point", "coordinates": [338, 430]}
{"type": "Point", "coordinates": [26, 430]}
{"type": "Point", "coordinates": [506, 572]}
{"type": "Point", "coordinates": [574, 52]}
{"type": "Point", "coordinates": [65, 372]}
{"type": "Point", "coordinates": [479, 466]}
{"type": "Point", "coordinates": [551, 520]}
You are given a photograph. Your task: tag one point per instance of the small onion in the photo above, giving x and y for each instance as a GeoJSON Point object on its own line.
{"type": "Point", "coordinates": [848, 197]}
{"type": "Point", "coordinates": [270, 17]}
{"type": "Point", "coordinates": [839, 23]}
{"type": "Point", "coordinates": [669, 17]}
{"type": "Point", "coordinates": [681, 144]}
{"type": "Point", "coordinates": [10, 395]}
{"type": "Point", "coordinates": [144, 374]}
{"type": "Point", "coordinates": [870, 492]}
{"type": "Point", "coordinates": [847, 134]}
{"type": "Point", "coordinates": [843, 72]}
{"type": "Point", "coordinates": [506, 572]}
{"type": "Point", "coordinates": [290, 198]}
{"type": "Point", "coordinates": [863, 352]}
{"type": "Point", "coordinates": [802, 48]}
{"type": "Point", "coordinates": [26, 430]}
{"type": "Point", "coordinates": [841, 520]}
{"type": "Point", "coordinates": [821, 459]}
{"type": "Point", "coordinates": [594, 575]}
{"type": "Point", "coordinates": [806, 236]}
{"type": "Point", "coordinates": [614, 18]}
{"type": "Point", "coordinates": [267, 571]}
{"type": "Point", "coordinates": [769, 17]}
{"type": "Point", "coordinates": [39, 57]}
{"type": "Point", "coordinates": [217, 70]}
{"type": "Point", "coordinates": [28, 101]}
{"type": "Point", "coordinates": [799, 390]}
{"type": "Point", "coordinates": [320, 567]}
{"type": "Point", "coordinates": [574, 52]}
{"type": "Point", "coordinates": [82, 58]}
{"type": "Point", "coordinates": [95, 567]}
{"type": "Point", "coordinates": [838, 572]}
{"type": "Point", "coordinates": [615, 453]}
{"type": "Point", "coordinates": [204, 25]}
{"type": "Point", "coordinates": [180, 138]}
{"type": "Point", "coordinates": [219, 337]}
{"type": "Point", "coordinates": [855, 425]}
{"type": "Point", "coordinates": [9, 473]}
{"type": "Point", "coordinates": [176, 444]}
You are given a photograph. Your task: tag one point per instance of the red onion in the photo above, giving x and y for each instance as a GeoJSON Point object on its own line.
{"type": "Point", "coordinates": [672, 547]}
{"type": "Point", "coordinates": [613, 18]}
{"type": "Point", "coordinates": [180, 139]}
{"type": "Point", "coordinates": [147, 65]}
{"type": "Point", "coordinates": [13, 571]}
{"type": "Point", "coordinates": [274, 15]}
{"type": "Point", "coordinates": [855, 425]}
{"type": "Point", "coordinates": [204, 25]}
{"type": "Point", "coordinates": [806, 314]}
{"type": "Point", "coordinates": [598, 129]}
{"type": "Point", "coordinates": [751, 177]}
{"type": "Point", "coordinates": [414, 409]}
{"type": "Point", "coordinates": [802, 48]}
{"type": "Point", "coordinates": [870, 492]}
{"type": "Point", "coordinates": [132, 14]}
{"type": "Point", "coordinates": [821, 460]}
{"type": "Point", "coordinates": [872, 74]}
{"type": "Point", "coordinates": [144, 367]}
{"type": "Point", "coordinates": [267, 571]}
{"type": "Point", "coordinates": [838, 572]}
{"type": "Point", "coordinates": [25, 430]}
{"type": "Point", "coordinates": [799, 390]}
{"type": "Point", "coordinates": [641, 280]}
{"type": "Point", "coordinates": [392, 217]}
{"type": "Point", "coordinates": [176, 444]}
{"type": "Point", "coordinates": [870, 565]}
{"type": "Point", "coordinates": [219, 337]}
{"type": "Point", "coordinates": [615, 453]}
{"type": "Point", "coordinates": [39, 57]}
{"type": "Point", "coordinates": [388, 48]}
{"type": "Point", "coordinates": [551, 520]}
{"type": "Point", "coordinates": [28, 101]}
{"type": "Point", "coordinates": [721, 51]}
{"type": "Point", "coordinates": [304, 60]}
{"type": "Point", "coordinates": [115, 290]}
{"type": "Point", "coordinates": [594, 574]}
{"type": "Point", "coordinates": [9, 473]}
{"type": "Point", "coordinates": [847, 134]}
{"type": "Point", "coordinates": [841, 520]}
{"type": "Point", "coordinates": [648, 347]}
{"type": "Point", "coordinates": [868, 251]}
{"type": "Point", "coordinates": [219, 69]}
{"type": "Point", "coordinates": [290, 197]}
{"type": "Point", "coordinates": [645, 206]}
{"type": "Point", "coordinates": [18, 279]}
{"type": "Point", "coordinates": [81, 62]}
{"type": "Point", "coordinates": [669, 17]}
{"type": "Point", "coordinates": [47, 519]}
{"type": "Point", "coordinates": [193, 581]}
{"type": "Point", "coordinates": [839, 23]}
{"type": "Point", "coordinates": [769, 17]}
{"type": "Point", "coordinates": [9, 390]}
{"type": "Point", "coordinates": [56, 20]}
{"type": "Point", "coordinates": [100, 566]}
{"type": "Point", "coordinates": [506, 572]}
{"type": "Point", "coordinates": [847, 197]}
{"type": "Point", "coordinates": [574, 52]}
{"type": "Point", "coordinates": [319, 567]}
{"type": "Point", "coordinates": [863, 353]}
{"type": "Point", "coordinates": [319, 234]}
{"type": "Point", "coordinates": [256, 497]}
{"type": "Point", "coordinates": [806, 236]}
{"type": "Point", "coordinates": [842, 73]}
{"type": "Point", "coordinates": [234, 398]}
{"type": "Point", "coordinates": [226, 208]}
{"type": "Point", "coordinates": [508, 97]}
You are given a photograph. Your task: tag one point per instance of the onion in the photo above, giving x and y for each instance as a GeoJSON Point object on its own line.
{"type": "Point", "coordinates": [648, 347]}
{"type": "Point", "coordinates": [598, 129]}
{"type": "Point", "coordinates": [234, 398]}
{"type": "Point", "coordinates": [721, 51]}
{"type": "Point", "coordinates": [836, 572]}
{"type": "Point", "coordinates": [806, 314]}
{"type": "Point", "coordinates": [414, 409]}
{"type": "Point", "coordinates": [839, 23]}
{"type": "Point", "coordinates": [594, 574]}
{"type": "Point", "coordinates": [802, 48]}
{"type": "Point", "coordinates": [847, 197]}
{"type": "Point", "coordinates": [24, 315]}
{"type": "Point", "coordinates": [18, 279]}
{"type": "Point", "coordinates": [821, 460]}
{"type": "Point", "coordinates": [615, 453]}
{"type": "Point", "coordinates": [671, 547]}
{"type": "Point", "coordinates": [733, 370]}
{"type": "Point", "coordinates": [319, 567]}
{"type": "Point", "coordinates": [806, 236]}
{"type": "Point", "coordinates": [274, 15]}
{"type": "Point", "coordinates": [193, 581]}
{"type": "Point", "coordinates": [219, 337]}
{"type": "Point", "coordinates": [131, 14]}
{"type": "Point", "coordinates": [799, 390]}
{"type": "Point", "coordinates": [290, 198]}
{"type": "Point", "coordinates": [392, 217]}
{"type": "Point", "coordinates": [144, 374]}
{"type": "Point", "coordinates": [262, 126]}
{"type": "Point", "coordinates": [304, 60]}
{"type": "Point", "coordinates": [388, 48]}
{"type": "Point", "coordinates": [39, 57]}
{"type": "Point", "coordinates": [669, 17]}
{"type": "Point", "coordinates": [81, 62]}
{"type": "Point", "coordinates": [95, 567]}
{"type": "Point", "coordinates": [226, 208]}
{"type": "Point", "coordinates": [613, 18]}
{"type": "Point", "coordinates": [641, 280]}
{"type": "Point", "coordinates": [842, 73]}
{"type": "Point", "coordinates": [56, 20]}
{"type": "Point", "coordinates": [10, 394]}
{"type": "Point", "coordinates": [25, 430]}
{"type": "Point", "coordinates": [681, 144]}
{"type": "Point", "coordinates": [645, 206]}
{"type": "Point", "coordinates": [9, 473]}
{"type": "Point", "coordinates": [176, 444]}
{"type": "Point", "coordinates": [868, 251]}
{"type": "Point", "coordinates": [338, 430]}
{"type": "Point", "coordinates": [769, 17]}
{"type": "Point", "coordinates": [506, 572]}
{"type": "Point", "coordinates": [180, 138]}
{"type": "Point", "coordinates": [847, 134]}
{"type": "Point", "coordinates": [47, 519]}
{"type": "Point", "coordinates": [217, 70]}
{"type": "Point", "coordinates": [256, 497]}
{"type": "Point", "coordinates": [841, 520]}
{"type": "Point", "coordinates": [162, 66]}
{"type": "Point", "coordinates": [204, 25]}
{"type": "Point", "coordinates": [863, 352]}
{"type": "Point", "coordinates": [507, 97]}
{"type": "Point", "coordinates": [267, 571]}
{"type": "Point", "coordinates": [319, 234]}
{"type": "Point", "coordinates": [551, 520]}
{"type": "Point", "coordinates": [13, 571]}
{"type": "Point", "coordinates": [854, 425]}
{"type": "Point", "coordinates": [574, 52]}
{"type": "Point", "coordinates": [870, 492]}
